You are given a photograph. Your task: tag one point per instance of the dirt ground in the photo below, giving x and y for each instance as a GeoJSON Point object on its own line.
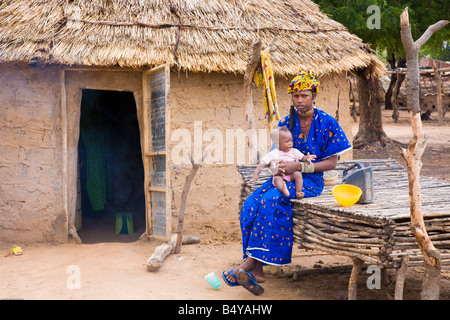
{"type": "Point", "coordinates": [117, 269]}
{"type": "Point", "coordinates": [436, 159]}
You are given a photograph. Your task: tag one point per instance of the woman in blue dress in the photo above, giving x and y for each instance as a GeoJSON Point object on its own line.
{"type": "Point", "coordinates": [266, 216]}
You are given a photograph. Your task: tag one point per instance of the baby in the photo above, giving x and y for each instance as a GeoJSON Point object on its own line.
{"type": "Point", "coordinates": [282, 138]}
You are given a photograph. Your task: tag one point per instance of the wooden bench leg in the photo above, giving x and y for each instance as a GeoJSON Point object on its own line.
{"type": "Point", "coordinates": [384, 276]}
{"type": "Point", "coordinates": [400, 279]}
{"type": "Point", "coordinates": [356, 270]}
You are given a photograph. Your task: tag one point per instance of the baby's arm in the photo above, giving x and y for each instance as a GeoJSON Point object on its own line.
{"type": "Point", "coordinates": [308, 158]}
{"type": "Point", "coordinates": [258, 169]}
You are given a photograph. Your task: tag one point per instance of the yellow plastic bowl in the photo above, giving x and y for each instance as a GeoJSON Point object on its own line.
{"type": "Point", "coordinates": [347, 194]}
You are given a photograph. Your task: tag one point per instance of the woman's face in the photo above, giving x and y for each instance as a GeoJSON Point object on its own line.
{"type": "Point", "coordinates": [303, 100]}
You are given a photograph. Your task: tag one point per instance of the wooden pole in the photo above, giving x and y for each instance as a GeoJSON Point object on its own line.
{"type": "Point", "coordinates": [394, 98]}
{"type": "Point", "coordinates": [196, 163]}
{"type": "Point", "coordinates": [412, 156]}
{"type": "Point", "coordinates": [184, 195]}
{"type": "Point", "coordinates": [351, 96]}
{"type": "Point", "coordinates": [252, 65]}
{"type": "Point", "coordinates": [400, 278]}
{"type": "Point", "coordinates": [422, 72]}
{"type": "Point", "coordinates": [162, 251]}
{"type": "Point", "coordinates": [438, 83]}
{"type": "Point", "coordinates": [353, 283]}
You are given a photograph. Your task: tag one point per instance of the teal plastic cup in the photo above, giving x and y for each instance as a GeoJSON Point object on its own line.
{"type": "Point", "coordinates": [213, 280]}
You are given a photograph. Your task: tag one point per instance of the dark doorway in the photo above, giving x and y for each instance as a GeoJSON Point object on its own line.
{"type": "Point", "coordinates": [111, 173]}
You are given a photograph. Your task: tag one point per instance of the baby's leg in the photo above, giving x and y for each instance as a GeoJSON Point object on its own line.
{"type": "Point", "coordinates": [297, 175]}
{"type": "Point", "coordinates": [281, 185]}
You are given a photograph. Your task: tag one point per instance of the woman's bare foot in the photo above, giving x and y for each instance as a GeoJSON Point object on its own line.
{"type": "Point", "coordinates": [300, 195]}
{"type": "Point", "coordinates": [230, 275]}
{"type": "Point", "coordinates": [250, 265]}
{"type": "Point", "coordinates": [258, 272]}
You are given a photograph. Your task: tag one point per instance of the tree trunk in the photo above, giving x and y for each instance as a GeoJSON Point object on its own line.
{"type": "Point", "coordinates": [390, 91]}
{"type": "Point", "coordinates": [352, 98]}
{"type": "Point", "coordinates": [394, 98]}
{"type": "Point", "coordinates": [388, 95]}
{"type": "Point", "coordinates": [370, 120]}
{"type": "Point", "coordinates": [412, 156]}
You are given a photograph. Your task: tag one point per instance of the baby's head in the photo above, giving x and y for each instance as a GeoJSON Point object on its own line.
{"type": "Point", "coordinates": [282, 138]}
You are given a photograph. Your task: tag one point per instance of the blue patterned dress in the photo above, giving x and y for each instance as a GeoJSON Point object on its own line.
{"type": "Point", "coordinates": [266, 217]}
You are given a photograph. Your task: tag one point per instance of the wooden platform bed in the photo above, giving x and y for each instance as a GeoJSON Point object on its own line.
{"type": "Point", "coordinates": [377, 233]}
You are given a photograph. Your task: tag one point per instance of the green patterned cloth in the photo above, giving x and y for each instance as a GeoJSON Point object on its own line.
{"type": "Point", "coordinates": [97, 156]}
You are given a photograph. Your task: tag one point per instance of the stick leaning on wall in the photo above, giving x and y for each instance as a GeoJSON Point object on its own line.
{"type": "Point", "coordinates": [177, 238]}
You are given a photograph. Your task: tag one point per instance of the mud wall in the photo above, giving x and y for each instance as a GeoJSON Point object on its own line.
{"type": "Point", "coordinates": [31, 205]}
{"type": "Point", "coordinates": [38, 168]}
{"type": "Point", "coordinates": [204, 107]}
{"type": "Point", "coordinates": [37, 172]}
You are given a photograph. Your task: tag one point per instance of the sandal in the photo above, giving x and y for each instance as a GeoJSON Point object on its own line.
{"type": "Point", "coordinates": [231, 284]}
{"type": "Point", "coordinates": [248, 281]}
{"type": "Point", "coordinates": [17, 251]}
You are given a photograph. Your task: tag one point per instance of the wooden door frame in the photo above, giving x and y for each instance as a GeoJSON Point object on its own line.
{"type": "Point", "coordinates": [148, 154]}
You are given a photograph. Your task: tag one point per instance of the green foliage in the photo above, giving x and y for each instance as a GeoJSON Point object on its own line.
{"type": "Point", "coordinates": [353, 14]}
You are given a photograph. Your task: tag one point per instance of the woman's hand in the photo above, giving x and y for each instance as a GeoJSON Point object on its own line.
{"type": "Point", "coordinates": [287, 168]}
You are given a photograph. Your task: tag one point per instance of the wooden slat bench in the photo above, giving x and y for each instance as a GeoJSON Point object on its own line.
{"type": "Point", "coordinates": [377, 233]}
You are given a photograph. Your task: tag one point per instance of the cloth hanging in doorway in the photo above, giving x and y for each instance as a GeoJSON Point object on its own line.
{"type": "Point", "coordinates": [264, 75]}
{"type": "Point", "coordinates": [92, 135]}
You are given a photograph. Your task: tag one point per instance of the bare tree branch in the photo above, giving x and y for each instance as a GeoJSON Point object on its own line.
{"type": "Point", "coordinates": [429, 32]}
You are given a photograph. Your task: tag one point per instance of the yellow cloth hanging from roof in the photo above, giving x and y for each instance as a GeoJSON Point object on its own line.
{"type": "Point", "coordinates": [264, 75]}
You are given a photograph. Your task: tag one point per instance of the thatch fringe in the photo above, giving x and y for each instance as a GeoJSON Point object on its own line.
{"type": "Point", "coordinates": [207, 35]}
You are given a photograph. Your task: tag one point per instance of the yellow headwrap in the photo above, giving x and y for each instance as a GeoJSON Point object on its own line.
{"type": "Point", "coordinates": [304, 81]}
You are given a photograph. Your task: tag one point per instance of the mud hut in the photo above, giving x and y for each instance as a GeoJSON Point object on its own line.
{"type": "Point", "coordinates": [98, 98]}
{"type": "Point", "coordinates": [429, 82]}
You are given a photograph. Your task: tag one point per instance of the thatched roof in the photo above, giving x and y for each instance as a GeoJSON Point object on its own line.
{"type": "Point", "coordinates": [214, 35]}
